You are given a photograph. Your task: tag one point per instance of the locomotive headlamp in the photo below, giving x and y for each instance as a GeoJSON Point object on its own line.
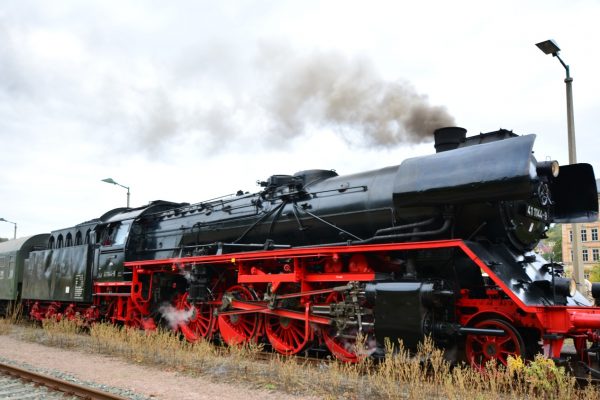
{"type": "Point", "coordinates": [548, 168]}
{"type": "Point", "coordinates": [565, 286]}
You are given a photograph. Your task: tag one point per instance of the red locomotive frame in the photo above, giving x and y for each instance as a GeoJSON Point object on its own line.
{"type": "Point", "coordinates": [245, 317]}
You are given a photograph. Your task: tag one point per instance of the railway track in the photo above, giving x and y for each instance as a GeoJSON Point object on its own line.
{"type": "Point", "coordinates": [18, 383]}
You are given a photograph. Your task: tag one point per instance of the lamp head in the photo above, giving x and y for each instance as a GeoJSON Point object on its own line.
{"type": "Point", "coordinates": [548, 47]}
{"type": "Point", "coordinates": [109, 180]}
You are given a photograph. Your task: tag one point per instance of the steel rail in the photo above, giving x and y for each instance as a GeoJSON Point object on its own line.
{"type": "Point", "coordinates": [59, 385]}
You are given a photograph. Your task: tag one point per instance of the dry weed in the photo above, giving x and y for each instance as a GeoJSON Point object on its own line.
{"type": "Point", "coordinates": [5, 326]}
{"type": "Point", "coordinates": [62, 333]}
{"type": "Point", "coordinates": [401, 375]}
{"type": "Point", "coordinates": [14, 314]}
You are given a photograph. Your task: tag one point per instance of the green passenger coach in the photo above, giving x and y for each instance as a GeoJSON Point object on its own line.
{"type": "Point", "coordinates": [13, 255]}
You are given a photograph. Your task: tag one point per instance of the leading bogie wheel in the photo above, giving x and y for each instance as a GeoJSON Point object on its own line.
{"type": "Point", "coordinates": [481, 349]}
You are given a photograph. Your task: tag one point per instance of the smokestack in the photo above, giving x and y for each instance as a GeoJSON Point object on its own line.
{"type": "Point", "coordinates": [449, 138]}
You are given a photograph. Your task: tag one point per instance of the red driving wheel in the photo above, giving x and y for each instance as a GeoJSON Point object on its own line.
{"type": "Point", "coordinates": [201, 322]}
{"type": "Point", "coordinates": [287, 336]}
{"type": "Point", "coordinates": [240, 328]}
{"type": "Point", "coordinates": [343, 343]}
{"type": "Point", "coordinates": [480, 349]}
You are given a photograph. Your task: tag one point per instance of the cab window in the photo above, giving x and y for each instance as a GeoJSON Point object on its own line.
{"type": "Point", "coordinates": [122, 232]}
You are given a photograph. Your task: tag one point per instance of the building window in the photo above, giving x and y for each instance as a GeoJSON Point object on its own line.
{"type": "Point", "coordinates": [584, 255]}
{"type": "Point", "coordinates": [571, 236]}
{"type": "Point", "coordinates": [584, 235]}
{"type": "Point", "coordinates": [571, 255]}
{"type": "Point", "coordinates": [595, 254]}
{"type": "Point", "coordinates": [595, 234]}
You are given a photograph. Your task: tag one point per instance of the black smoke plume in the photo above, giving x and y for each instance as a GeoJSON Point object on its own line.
{"type": "Point", "coordinates": [349, 97]}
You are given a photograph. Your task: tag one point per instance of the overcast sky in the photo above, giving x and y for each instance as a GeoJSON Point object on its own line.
{"type": "Point", "coordinates": [189, 100]}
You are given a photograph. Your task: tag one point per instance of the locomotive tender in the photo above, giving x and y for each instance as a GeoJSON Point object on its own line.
{"type": "Point", "coordinates": [440, 245]}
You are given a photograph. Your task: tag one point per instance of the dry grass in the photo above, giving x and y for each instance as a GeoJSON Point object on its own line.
{"type": "Point", "coordinates": [5, 326]}
{"type": "Point", "coordinates": [14, 315]}
{"type": "Point", "coordinates": [400, 376]}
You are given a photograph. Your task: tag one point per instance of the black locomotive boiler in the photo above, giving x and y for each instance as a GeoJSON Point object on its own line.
{"type": "Point", "coordinates": [440, 245]}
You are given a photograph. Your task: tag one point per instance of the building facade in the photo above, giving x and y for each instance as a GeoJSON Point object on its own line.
{"type": "Point", "coordinates": [589, 235]}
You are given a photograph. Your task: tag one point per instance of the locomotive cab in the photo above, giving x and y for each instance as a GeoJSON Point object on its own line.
{"type": "Point", "coordinates": [113, 244]}
{"type": "Point", "coordinates": [110, 249]}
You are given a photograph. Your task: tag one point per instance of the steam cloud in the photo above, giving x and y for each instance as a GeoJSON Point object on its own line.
{"type": "Point", "coordinates": [293, 95]}
{"type": "Point", "coordinates": [279, 96]}
{"type": "Point", "coordinates": [174, 316]}
{"type": "Point", "coordinates": [327, 90]}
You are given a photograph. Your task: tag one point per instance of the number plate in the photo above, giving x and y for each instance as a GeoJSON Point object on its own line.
{"type": "Point", "coordinates": [536, 212]}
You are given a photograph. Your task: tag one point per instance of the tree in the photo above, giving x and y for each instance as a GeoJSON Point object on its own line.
{"type": "Point", "coordinates": [595, 273]}
{"type": "Point", "coordinates": [554, 240]}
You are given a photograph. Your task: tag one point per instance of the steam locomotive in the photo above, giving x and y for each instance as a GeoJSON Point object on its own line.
{"type": "Point", "coordinates": [440, 246]}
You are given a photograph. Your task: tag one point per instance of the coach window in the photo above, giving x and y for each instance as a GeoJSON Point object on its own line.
{"type": "Point", "coordinates": [122, 232]}
{"type": "Point", "coordinates": [11, 267]}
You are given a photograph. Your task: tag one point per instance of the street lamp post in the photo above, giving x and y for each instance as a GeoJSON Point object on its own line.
{"type": "Point", "coordinates": [10, 222]}
{"type": "Point", "coordinates": [550, 47]}
{"type": "Point", "coordinates": [111, 181]}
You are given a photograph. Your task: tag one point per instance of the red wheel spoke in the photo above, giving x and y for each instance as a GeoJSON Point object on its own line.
{"type": "Point", "coordinates": [294, 335]}
{"type": "Point", "coordinates": [248, 327]}
{"type": "Point", "coordinates": [479, 340]}
{"type": "Point", "coordinates": [203, 325]}
{"type": "Point", "coordinates": [288, 338]}
{"type": "Point", "coordinates": [505, 340]}
{"type": "Point", "coordinates": [508, 353]}
{"type": "Point", "coordinates": [297, 331]}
